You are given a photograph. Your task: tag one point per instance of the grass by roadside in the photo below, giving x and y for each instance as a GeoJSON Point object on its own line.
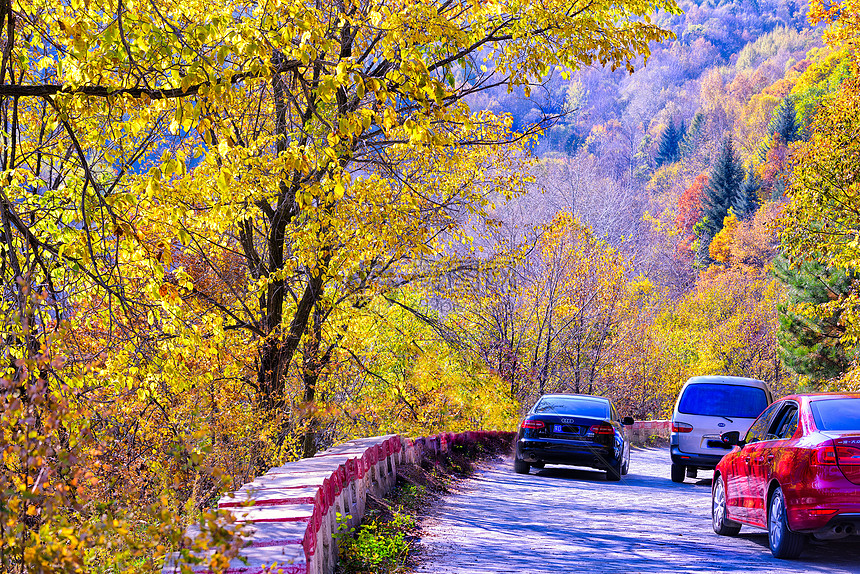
{"type": "Point", "coordinates": [384, 542]}
{"type": "Point", "coordinates": [657, 441]}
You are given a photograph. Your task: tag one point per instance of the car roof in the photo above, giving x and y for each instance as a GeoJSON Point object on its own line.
{"type": "Point", "coordinates": [726, 380]}
{"type": "Point", "coordinates": [573, 396]}
{"type": "Point", "coordinates": [818, 396]}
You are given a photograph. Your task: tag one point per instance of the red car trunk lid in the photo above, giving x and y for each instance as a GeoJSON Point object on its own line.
{"type": "Point", "coordinates": [848, 457]}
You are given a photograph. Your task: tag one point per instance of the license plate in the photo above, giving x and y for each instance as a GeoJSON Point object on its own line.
{"type": "Point", "coordinates": [556, 428]}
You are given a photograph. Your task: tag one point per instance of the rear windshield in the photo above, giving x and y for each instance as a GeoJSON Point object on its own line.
{"type": "Point", "coordinates": [836, 414]}
{"type": "Point", "coordinates": [718, 400]}
{"type": "Point", "coordinates": [585, 407]}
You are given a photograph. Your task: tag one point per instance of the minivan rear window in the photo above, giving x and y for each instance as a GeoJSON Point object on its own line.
{"type": "Point", "coordinates": [836, 414]}
{"type": "Point", "coordinates": [582, 406]}
{"type": "Point", "coordinates": [714, 399]}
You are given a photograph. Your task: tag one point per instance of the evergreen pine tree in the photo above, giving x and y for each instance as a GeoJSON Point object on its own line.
{"type": "Point", "coordinates": [809, 345]}
{"type": "Point", "coordinates": [667, 149]}
{"type": "Point", "coordinates": [784, 121]}
{"type": "Point", "coordinates": [724, 187]}
{"type": "Point", "coordinates": [690, 138]}
{"type": "Point", "coordinates": [746, 203]}
{"type": "Point", "coordinates": [573, 143]}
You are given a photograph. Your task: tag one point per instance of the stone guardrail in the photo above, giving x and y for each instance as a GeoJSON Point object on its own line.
{"type": "Point", "coordinates": [291, 511]}
{"type": "Point", "coordinates": [641, 432]}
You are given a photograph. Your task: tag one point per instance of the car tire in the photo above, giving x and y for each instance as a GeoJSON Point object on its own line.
{"type": "Point", "coordinates": [625, 468]}
{"type": "Point", "coordinates": [679, 472]}
{"type": "Point", "coordinates": [521, 466]}
{"type": "Point", "coordinates": [783, 542]}
{"type": "Point", "coordinates": [613, 473]}
{"type": "Point", "coordinates": [719, 512]}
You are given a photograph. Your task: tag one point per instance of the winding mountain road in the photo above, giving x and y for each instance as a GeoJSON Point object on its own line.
{"type": "Point", "coordinates": [562, 519]}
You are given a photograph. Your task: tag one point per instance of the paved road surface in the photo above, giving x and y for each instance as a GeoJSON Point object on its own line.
{"type": "Point", "coordinates": [562, 519]}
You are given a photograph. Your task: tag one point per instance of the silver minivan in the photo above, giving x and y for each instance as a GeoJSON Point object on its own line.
{"type": "Point", "coordinates": [707, 407]}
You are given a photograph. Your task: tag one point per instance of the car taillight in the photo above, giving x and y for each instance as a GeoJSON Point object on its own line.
{"type": "Point", "coordinates": [601, 429]}
{"type": "Point", "coordinates": [847, 455]}
{"type": "Point", "coordinates": [820, 511]}
{"type": "Point", "coordinates": [825, 455]}
{"type": "Point", "coordinates": [532, 425]}
{"type": "Point", "coordinates": [682, 427]}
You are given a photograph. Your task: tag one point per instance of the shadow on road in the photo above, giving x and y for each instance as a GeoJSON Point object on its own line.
{"type": "Point", "coordinates": [566, 519]}
{"type": "Point", "coordinates": [568, 473]}
{"type": "Point", "coordinates": [571, 473]}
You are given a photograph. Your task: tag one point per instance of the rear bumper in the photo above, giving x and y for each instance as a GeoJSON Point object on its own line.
{"type": "Point", "coordinates": [824, 526]}
{"type": "Point", "coordinates": [823, 515]}
{"type": "Point", "coordinates": [704, 461]}
{"type": "Point", "coordinates": [574, 453]}
{"type": "Point", "coordinates": [822, 502]}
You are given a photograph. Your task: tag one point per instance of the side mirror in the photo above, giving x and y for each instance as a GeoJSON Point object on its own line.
{"type": "Point", "coordinates": [732, 438]}
{"type": "Point", "coordinates": [627, 421]}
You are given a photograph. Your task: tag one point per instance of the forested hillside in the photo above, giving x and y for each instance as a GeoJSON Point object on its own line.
{"type": "Point", "coordinates": [683, 171]}
{"type": "Point", "coordinates": [235, 234]}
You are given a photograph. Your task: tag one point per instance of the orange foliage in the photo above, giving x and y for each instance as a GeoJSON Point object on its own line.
{"type": "Point", "coordinates": [690, 204]}
{"type": "Point", "coordinates": [750, 244]}
{"type": "Point", "coordinates": [690, 210]}
{"type": "Point", "coordinates": [756, 240]}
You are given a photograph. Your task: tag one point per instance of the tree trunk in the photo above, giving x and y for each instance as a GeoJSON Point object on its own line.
{"type": "Point", "coordinates": [311, 367]}
{"type": "Point", "coordinates": [544, 373]}
{"type": "Point", "coordinates": [276, 354]}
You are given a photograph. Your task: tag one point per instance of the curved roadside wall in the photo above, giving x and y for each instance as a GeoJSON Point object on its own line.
{"type": "Point", "coordinates": [291, 511]}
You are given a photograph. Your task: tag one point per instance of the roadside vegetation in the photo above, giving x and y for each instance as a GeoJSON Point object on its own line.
{"type": "Point", "coordinates": [232, 235]}
{"type": "Point", "coordinates": [383, 543]}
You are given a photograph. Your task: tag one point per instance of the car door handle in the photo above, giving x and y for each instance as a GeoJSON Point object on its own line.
{"type": "Point", "coordinates": [769, 458]}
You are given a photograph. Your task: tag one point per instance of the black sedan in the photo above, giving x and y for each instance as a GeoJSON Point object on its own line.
{"type": "Point", "coordinates": [577, 430]}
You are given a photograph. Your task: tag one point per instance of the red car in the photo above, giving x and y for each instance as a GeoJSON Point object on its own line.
{"type": "Point", "coordinates": [795, 473]}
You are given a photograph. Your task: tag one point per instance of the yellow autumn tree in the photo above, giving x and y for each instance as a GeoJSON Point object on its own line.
{"type": "Point", "coordinates": [719, 247]}
{"type": "Point", "coordinates": [239, 129]}
{"type": "Point", "coordinates": [195, 197]}
{"type": "Point", "coordinates": [580, 289]}
{"type": "Point", "coordinates": [549, 319]}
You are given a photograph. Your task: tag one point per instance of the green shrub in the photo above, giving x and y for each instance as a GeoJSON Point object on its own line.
{"type": "Point", "coordinates": [412, 496]}
{"type": "Point", "coordinates": [376, 547]}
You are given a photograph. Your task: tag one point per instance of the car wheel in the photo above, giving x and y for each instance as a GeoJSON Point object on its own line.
{"type": "Point", "coordinates": [783, 542]}
{"type": "Point", "coordinates": [626, 466]}
{"type": "Point", "coordinates": [719, 514]}
{"type": "Point", "coordinates": [520, 466]}
{"type": "Point", "coordinates": [678, 472]}
{"type": "Point", "coordinates": [613, 473]}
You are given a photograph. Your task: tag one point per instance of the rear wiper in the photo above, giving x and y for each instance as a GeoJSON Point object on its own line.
{"type": "Point", "coordinates": [727, 418]}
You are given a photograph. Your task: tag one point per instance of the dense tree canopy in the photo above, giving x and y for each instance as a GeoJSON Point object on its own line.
{"type": "Point", "coordinates": [234, 233]}
{"type": "Point", "coordinates": [198, 203]}
{"type": "Point", "coordinates": [231, 134]}
{"type": "Point", "coordinates": [747, 201]}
